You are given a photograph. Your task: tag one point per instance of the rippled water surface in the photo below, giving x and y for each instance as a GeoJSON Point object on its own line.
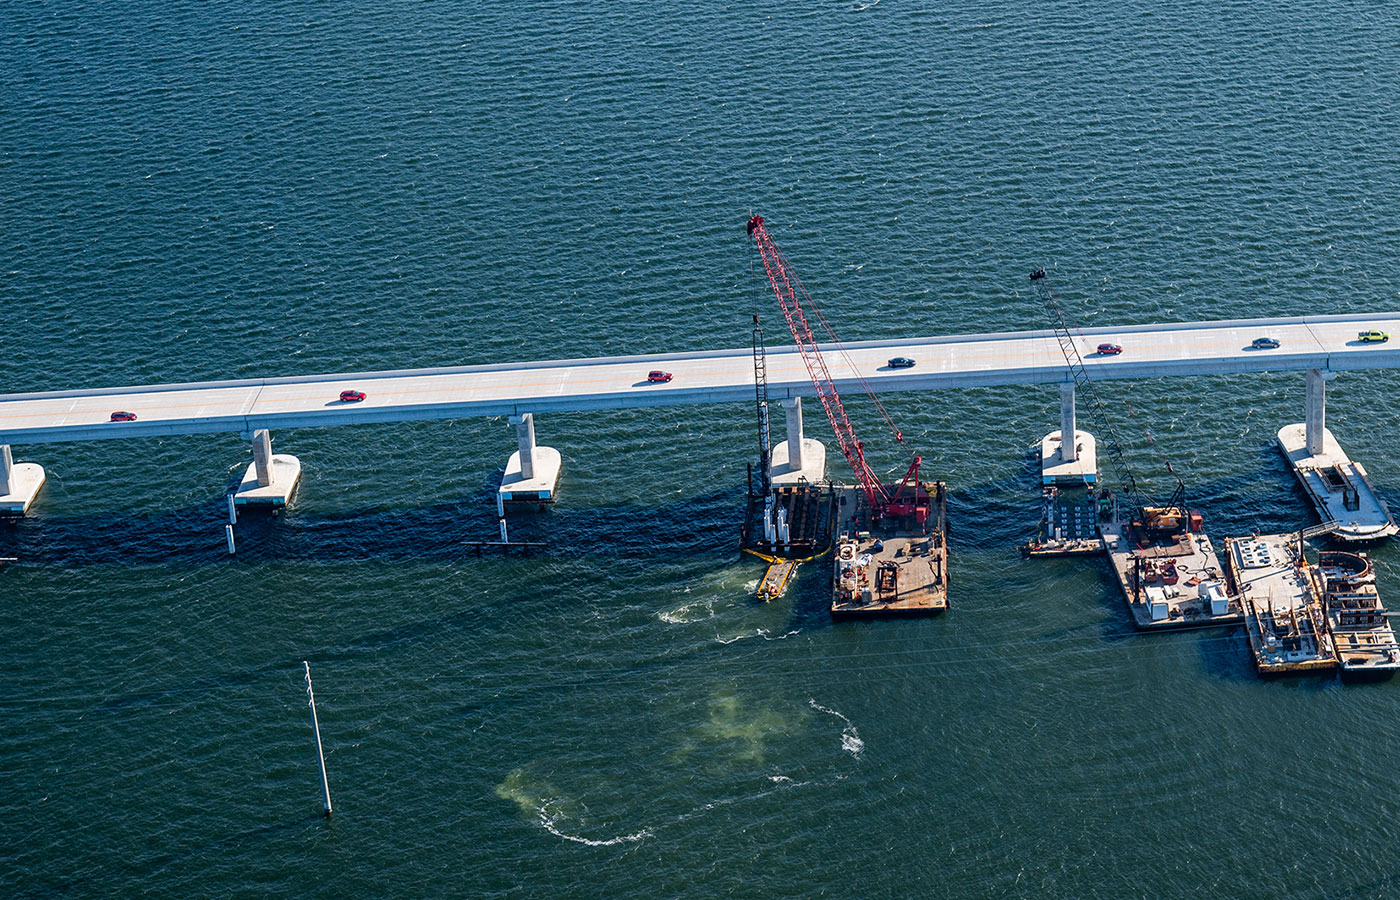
{"type": "Point", "coordinates": [195, 191]}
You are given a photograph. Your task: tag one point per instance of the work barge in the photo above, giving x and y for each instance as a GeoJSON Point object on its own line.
{"type": "Point", "coordinates": [893, 564]}
{"type": "Point", "coordinates": [1168, 570]}
{"type": "Point", "coordinates": [1303, 616]}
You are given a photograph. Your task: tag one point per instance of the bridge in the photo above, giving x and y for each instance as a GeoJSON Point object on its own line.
{"type": "Point", "coordinates": [1320, 345]}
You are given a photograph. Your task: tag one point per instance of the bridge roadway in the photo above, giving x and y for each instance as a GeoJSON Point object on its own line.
{"type": "Point", "coordinates": [1149, 351]}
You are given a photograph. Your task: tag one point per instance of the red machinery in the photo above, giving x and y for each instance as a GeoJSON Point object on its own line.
{"type": "Point", "coordinates": [910, 499]}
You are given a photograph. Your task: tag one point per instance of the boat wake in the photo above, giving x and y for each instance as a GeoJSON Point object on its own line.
{"type": "Point", "coordinates": [850, 738]}
{"type": "Point", "coordinates": [686, 613]}
{"type": "Point", "coordinates": [759, 633]}
{"type": "Point", "coordinates": [548, 820]}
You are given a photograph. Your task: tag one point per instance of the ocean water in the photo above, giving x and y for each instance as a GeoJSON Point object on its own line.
{"type": "Point", "coordinates": [196, 191]}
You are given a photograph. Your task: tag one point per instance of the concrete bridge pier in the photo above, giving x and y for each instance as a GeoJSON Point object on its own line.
{"type": "Point", "coordinates": [271, 478]}
{"type": "Point", "coordinates": [799, 458]}
{"type": "Point", "coordinates": [1068, 451]}
{"type": "Point", "coordinates": [1315, 410]}
{"type": "Point", "coordinates": [1068, 462]}
{"type": "Point", "coordinates": [19, 483]}
{"type": "Point", "coordinates": [531, 472]}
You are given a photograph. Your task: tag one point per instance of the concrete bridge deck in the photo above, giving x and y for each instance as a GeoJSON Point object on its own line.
{"type": "Point", "coordinates": [1149, 351]}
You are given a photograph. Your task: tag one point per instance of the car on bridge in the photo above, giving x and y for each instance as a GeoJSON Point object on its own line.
{"type": "Point", "coordinates": [901, 362]}
{"type": "Point", "coordinates": [123, 416]}
{"type": "Point", "coordinates": [351, 396]}
{"type": "Point", "coordinates": [1109, 349]}
{"type": "Point", "coordinates": [1373, 336]}
{"type": "Point", "coordinates": [1264, 343]}
{"type": "Point", "coordinates": [656, 376]}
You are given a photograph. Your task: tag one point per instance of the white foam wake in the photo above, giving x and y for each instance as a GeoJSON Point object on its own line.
{"type": "Point", "coordinates": [850, 738]}
{"type": "Point", "coordinates": [685, 613]}
{"type": "Point", "coordinates": [548, 821]}
{"type": "Point", "coordinates": [757, 632]}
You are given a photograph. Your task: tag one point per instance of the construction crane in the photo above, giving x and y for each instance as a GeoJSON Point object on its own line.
{"type": "Point", "coordinates": [760, 389]}
{"type": "Point", "coordinates": [910, 498]}
{"type": "Point", "coordinates": [1161, 518]}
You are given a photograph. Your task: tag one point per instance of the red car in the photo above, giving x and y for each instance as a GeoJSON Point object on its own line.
{"type": "Point", "coordinates": [656, 376]}
{"type": "Point", "coordinates": [351, 396]}
{"type": "Point", "coordinates": [1109, 349]}
{"type": "Point", "coordinates": [122, 416]}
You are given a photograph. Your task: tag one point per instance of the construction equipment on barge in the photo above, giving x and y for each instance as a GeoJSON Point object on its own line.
{"type": "Point", "coordinates": [1166, 566]}
{"type": "Point", "coordinates": [897, 533]}
{"type": "Point", "coordinates": [890, 566]}
{"type": "Point", "coordinates": [1302, 616]}
{"type": "Point", "coordinates": [1362, 637]}
{"type": "Point", "coordinates": [1068, 524]}
{"type": "Point", "coordinates": [1283, 610]}
{"type": "Point", "coordinates": [788, 521]}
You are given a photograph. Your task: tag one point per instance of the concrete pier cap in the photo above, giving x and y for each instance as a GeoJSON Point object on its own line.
{"type": "Point", "coordinates": [1079, 467]}
{"type": "Point", "coordinates": [271, 478]}
{"type": "Point", "coordinates": [532, 471]}
{"type": "Point", "coordinates": [19, 483]}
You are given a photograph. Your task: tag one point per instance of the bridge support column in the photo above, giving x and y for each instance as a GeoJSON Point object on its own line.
{"type": "Point", "coordinates": [1067, 447]}
{"type": "Point", "coordinates": [531, 472]}
{"type": "Point", "coordinates": [792, 411]}
{"type": "Point", "coordinates": [271, 478]}
{"type": "Point", "coordinates": [262, 456]}
{"type": "Point", "coordinates": [799, 458]}
{"type": "Point", "coordinates": [19, 483]}
{"type": "Point", "coordinates": [525, 433]}
{"type": "Point", "coordinates": [1315, 410]}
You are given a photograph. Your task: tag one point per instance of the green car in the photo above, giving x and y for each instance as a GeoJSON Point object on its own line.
{"type": "Point", "coordinates": [1379, 337]}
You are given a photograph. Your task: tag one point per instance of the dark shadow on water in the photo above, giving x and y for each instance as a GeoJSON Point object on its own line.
{"type": "Point", "coordinates": [811, 596]}
{"type": "Point", "coordinates": [995, 513]}
{"type": "Point", "coordinates": [705, 525]}
{"type": "Point", "coordinates": [1224, 654]}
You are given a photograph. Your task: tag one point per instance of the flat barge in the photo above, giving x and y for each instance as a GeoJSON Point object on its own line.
{"type": "Point", "coordinates": [1362, 637]}
{"type": "Point", "coordinates": [775, 579]}
{"type": "Point", "coordinates": [1170, 576]}
{"type": "Point", "coordinates": [1283, 604]}
{"type": "Point", "coordinates": [1337, 487]}
{"type": "Point", "coordinates": [791, 522]}
{"type": "Point", "coordinates": [1305, 617]}
{"type": "Point", "coordinates": [894, 566]}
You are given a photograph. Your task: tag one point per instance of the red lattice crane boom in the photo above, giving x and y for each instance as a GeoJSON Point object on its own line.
{"type": "Point", "coordinates": [789, 289]}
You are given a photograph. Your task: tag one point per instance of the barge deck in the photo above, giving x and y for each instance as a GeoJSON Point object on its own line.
{"type": "Point", "coordinates": [1169, 582]}
{"type": "Point", "coordinates": [895, 567]}
{"type": "Point", "coordinates": [1282, 604]}
{"type": "Point", "coordinates": [1363, 639]}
